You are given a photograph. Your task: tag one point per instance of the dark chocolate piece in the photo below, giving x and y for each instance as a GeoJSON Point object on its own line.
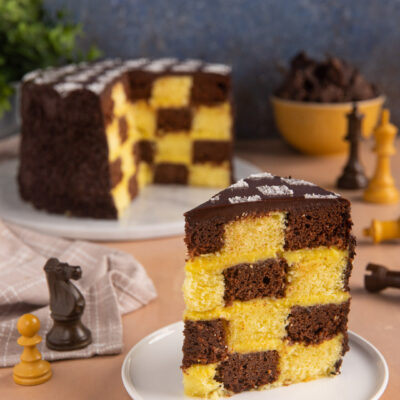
{"type": "Point", "coordinates": [133, 186]}
{"type": "Point", "coordinates": [315, 324]}
{"type": "Point", "coordinates": [265, 278]}
{"type": "Point", "coordinates": [353, 176]}
{"type": "Point", "coordinates": [213, 151]}
{"type": "Point", "coordinates": [144, 150]}
{"type": "Point", "coordinates": [123, 129]}
{"type": "Point", "coordinates": [329, 81]}
{"type": "Point", "coordinates": [204, 343]}
{"type": "Point", "coordinates": [240, 372]}
{"type": "Point", "coordinates": [380, 278]}
{"type": "Point", "coordinates": [67, 306]}
{"type": "Point", "coordinates": [318, 226]}
{"type": "Point", "coordinates": [141, 83]}
{"type": "Point", "coordinates": [116, 172]}
{"type": "Point", "coordinates": [171, 173]}
{"type": "Point", "coordinates": [173, 120]}
{"type": "Point", "coordinates": [209, 89]}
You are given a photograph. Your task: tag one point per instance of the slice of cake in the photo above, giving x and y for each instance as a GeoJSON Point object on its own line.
{"type": "Point", "coordinates": [266, 286]}
{"type": "Point", "coordinates": [94, 134]}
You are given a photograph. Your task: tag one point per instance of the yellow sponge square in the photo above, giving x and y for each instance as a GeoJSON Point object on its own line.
{"type": "Point", "coordinates": [212, 122]}
{"type": "Point", "coordinates": [174, 148]}
{"type": "Point", "coordinates": [171, 91]}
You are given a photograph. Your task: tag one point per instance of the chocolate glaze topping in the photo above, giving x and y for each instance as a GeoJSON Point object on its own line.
{"type": "Point", "coordinates": [259, 188]}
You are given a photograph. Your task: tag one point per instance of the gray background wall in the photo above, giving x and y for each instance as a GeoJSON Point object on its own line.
{"type": "Point", "coordinates": [256, 36]}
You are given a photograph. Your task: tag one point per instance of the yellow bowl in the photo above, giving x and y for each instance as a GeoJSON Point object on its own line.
{"type": "Point", "coordinates": [319, 128]}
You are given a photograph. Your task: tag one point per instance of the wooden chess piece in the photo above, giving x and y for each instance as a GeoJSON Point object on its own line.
{"type": "Point", "coordinates": [381, 188]}
{"type": "Point", "coordinates": [67, 305]}
{"type": "Point", "coordinates": [353, 176]}
{"type": "Point", "coordinates": [381, 278]}
{"type": "Point", "coordinates": [32, 370]}
{"type": "Point", "coordinates": [383, 230]}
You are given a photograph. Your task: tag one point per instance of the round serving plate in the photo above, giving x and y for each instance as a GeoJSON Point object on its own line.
{"type": "Point", "coordinates": [151, 371]}
{"type": "Point", "coordinates": [156, 212]}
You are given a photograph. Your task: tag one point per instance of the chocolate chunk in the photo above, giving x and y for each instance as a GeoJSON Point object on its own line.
{"type": "Point", "coordinates": [171, 173]}
{"type": "Point", "coordinates": [329, 81]}
{"type": "Point", "coordinates": [265, 278]}
{"type": "Point", "coordinates": [144, 150]}
{"type": "Point", "coordinates": [123, 129]}
{"type": "Point", "coordinates": [141, 83]}
{"type": "Point", "coordinates": [240, 372]}
{"type": "Point", "coordinates": [116, 172]}
{"type": "Point", "coordinates": [318, 226]}
{"type": "Point", "coordinates": [213, 151]}
{"type": "Point", "coordinates": [209, 89]}
{"type": "Point", "coordinates": [204, 343]}
{"type": "Point", "coordinates": [315, 324]}
{"type": "Point", "coordinates": [173, 119]}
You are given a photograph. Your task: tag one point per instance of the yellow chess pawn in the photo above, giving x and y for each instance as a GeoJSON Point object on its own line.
{"type": "Point", "coordinates": [32, 370]}
{"type": "Point", "coordinates": [383, 230]}
{"type": "Point", "coordinates": [381, 188]}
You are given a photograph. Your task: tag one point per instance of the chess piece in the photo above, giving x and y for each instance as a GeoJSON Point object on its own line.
{"type": "Point", "coordinates": [381, 188]}
{"type": "Point", "coordinates": [353, 176]}
{"type": "Point", "coordinates": [32, 370]}
{"type": "Point", "coordinates": [383, 230]}
{"type": "Point", "coordinates": [67, 305]}
{"type": "Point", "coordinates": [381, 278]}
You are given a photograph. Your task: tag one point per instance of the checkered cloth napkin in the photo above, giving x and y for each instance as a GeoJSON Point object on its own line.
{"type": "Point", "coordinates": [113, 283]}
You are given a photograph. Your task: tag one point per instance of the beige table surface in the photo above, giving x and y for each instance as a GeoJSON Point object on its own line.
{"type": "Point", "coordinates": [375, 317]}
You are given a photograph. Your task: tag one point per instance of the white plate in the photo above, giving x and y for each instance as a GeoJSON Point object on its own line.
{"type": "Point", "coordinates": [157, 212]}
{"type": "Point", "coordinates": [151, 372]}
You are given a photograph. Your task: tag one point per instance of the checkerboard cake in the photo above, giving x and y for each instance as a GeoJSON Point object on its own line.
{"type": "Point", "coordinates": [266, 286]}
{"type": "Point", "coordinates": [94, 134]}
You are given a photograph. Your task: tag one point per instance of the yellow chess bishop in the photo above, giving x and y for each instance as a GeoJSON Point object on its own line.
{"type": "Point", "coordinates": [32, 370]}
{"type": "Point", "coordinates": [381, 188]}
{"type": "Point", "coordinates": [383, 230]}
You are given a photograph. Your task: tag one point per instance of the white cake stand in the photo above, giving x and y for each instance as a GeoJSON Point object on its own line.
{"type": "Point", "coordinates": [157, 212]}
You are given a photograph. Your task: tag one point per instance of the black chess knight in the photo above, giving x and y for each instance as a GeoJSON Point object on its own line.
{"type": "Point", "coordinates": [66, 305]}
{"type": "Point", "coordinates": [353, 176]}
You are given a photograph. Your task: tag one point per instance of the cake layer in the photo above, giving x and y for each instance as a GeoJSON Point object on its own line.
{"type": "Point", "coordinates": [319, 272]}
{"type": "Point", "coordinates": [314, 217]}
{"type": "Point", "coordinates": [288, 364]}
{"type": "Point", "coordinates": [257, 325]}
{"type": "Point", "coordinates": [245, 240]}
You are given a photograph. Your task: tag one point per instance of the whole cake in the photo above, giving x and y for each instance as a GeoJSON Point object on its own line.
{"type": "Point", "coordinates": [266, 286]}
{"type": "Point", "coordinates": [94, 134]}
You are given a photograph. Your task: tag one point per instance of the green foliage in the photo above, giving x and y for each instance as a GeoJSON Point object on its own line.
{"type": "Point", "coordinates": [30, 38]}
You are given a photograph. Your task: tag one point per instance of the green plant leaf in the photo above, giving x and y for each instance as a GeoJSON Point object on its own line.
{"type": "Point", "coordinates": [31, 38]}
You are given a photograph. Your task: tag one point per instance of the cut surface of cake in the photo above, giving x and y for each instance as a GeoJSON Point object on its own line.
{"type": "Point", "coordinates": [94, 134]}
{"type": "Point", "coordinates": [266, 286]}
